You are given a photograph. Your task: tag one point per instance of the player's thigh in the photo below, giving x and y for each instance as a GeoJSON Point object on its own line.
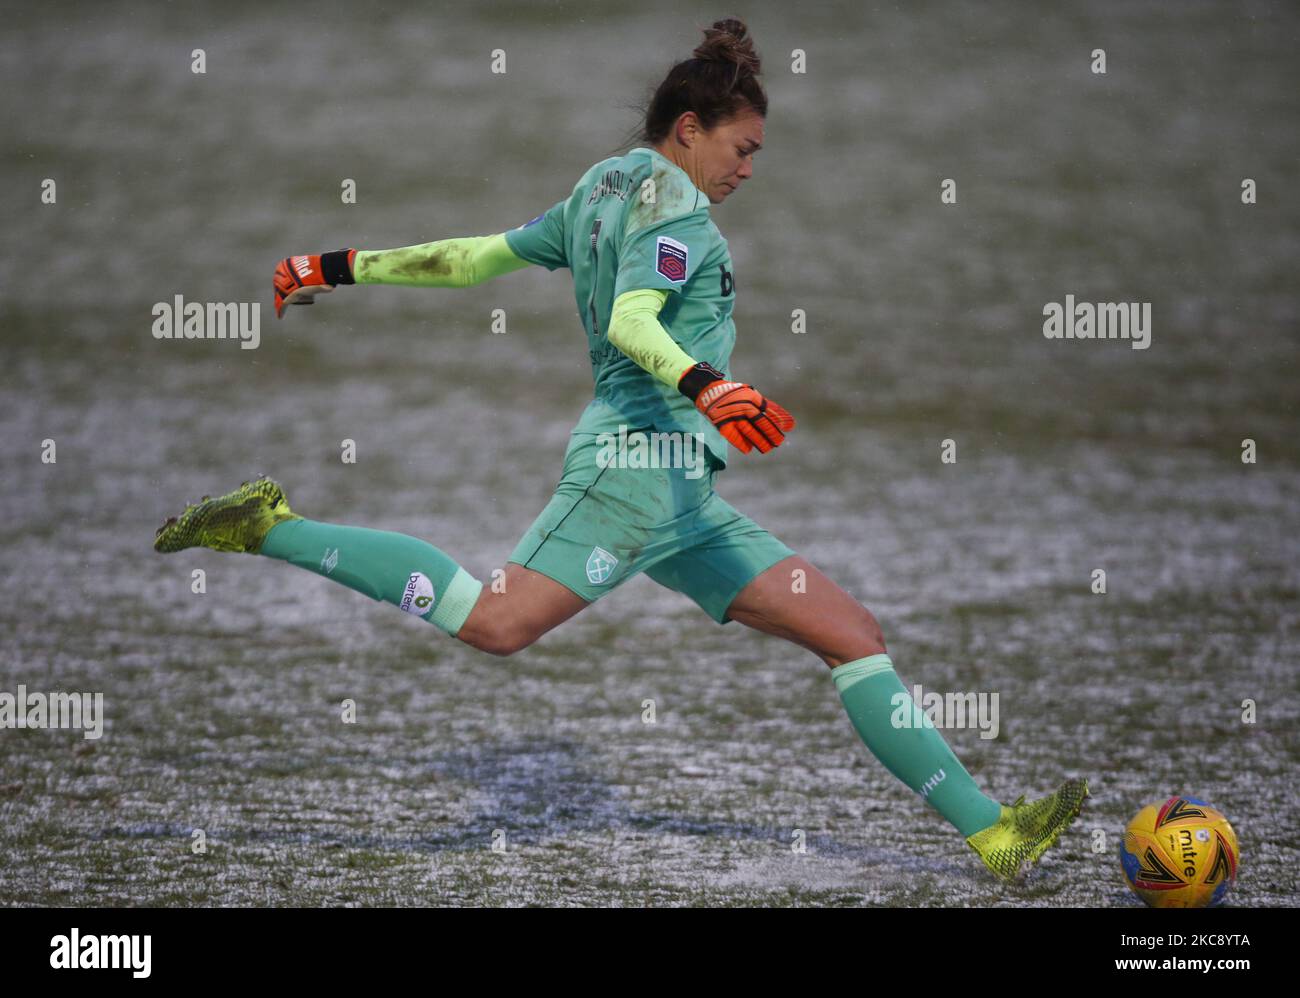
{"type": "Point", "coordinates": [518, 609]}
{"type": "Point", "coordinates": [796, 601]}
{"type": "Point", "coordinates": [716, 555]}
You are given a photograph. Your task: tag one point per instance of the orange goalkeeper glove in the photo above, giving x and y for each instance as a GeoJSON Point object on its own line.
{"type": "Point", "coordinates": [299, 279]}
{"type": "Point", "coordinates": [740, 413]}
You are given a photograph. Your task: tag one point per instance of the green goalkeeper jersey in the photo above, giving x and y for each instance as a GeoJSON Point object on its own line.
{"type": "Point", "coordinates": [632, 222]}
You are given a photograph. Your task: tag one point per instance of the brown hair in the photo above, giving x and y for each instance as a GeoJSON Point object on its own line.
{"type": "Point", "coordinates": [719, 81]}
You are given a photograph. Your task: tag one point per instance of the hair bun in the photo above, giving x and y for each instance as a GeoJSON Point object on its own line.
{"type": "Point", "coordinates": [719, 83]}
{"type": "Point", "coordinates": [728, 41]}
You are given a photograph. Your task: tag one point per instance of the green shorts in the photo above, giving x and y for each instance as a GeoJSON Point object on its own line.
{"type": "Point", "coordinates": [606, 524]}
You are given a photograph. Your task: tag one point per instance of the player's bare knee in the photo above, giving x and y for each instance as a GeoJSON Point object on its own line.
{"type": "Point", "coordinates": [498, 637]}
{"type": "Point", "coordinates": [487, 641]}
{"type": "Point", "coordinates": [861, 638]}
{"type": "Point", "coordinates": [484, 633]}
{"type": "Point", "coordinates": [514, 639]}
{"type": "Point", "coordinates": [871, 632]}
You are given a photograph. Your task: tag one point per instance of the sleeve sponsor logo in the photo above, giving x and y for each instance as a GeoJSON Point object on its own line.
{"type": "Point", "coordinates": [533, 221]}
{"type": "Point", "coordinates": [670, 259]}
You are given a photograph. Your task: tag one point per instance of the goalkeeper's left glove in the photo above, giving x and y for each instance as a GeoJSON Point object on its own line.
{"type": "Point", "coordinates": [299, 279]}
{"type": "Point", "coordinates": [740, 413]}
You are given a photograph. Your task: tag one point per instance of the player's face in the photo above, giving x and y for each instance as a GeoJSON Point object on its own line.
{"type": "Point", "coordinates": [726, 155]}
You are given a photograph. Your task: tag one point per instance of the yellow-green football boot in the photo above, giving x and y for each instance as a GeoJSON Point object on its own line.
{"type": "Point", "coordinates": [1026, 831]}
{"type": "Point", "coordinates": [237, 521]}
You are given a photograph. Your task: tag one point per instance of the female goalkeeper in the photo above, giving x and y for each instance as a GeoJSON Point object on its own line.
{"type": "Point", "coordinates": [655, 287]}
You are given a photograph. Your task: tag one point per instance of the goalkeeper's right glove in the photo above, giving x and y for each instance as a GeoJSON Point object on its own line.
{"type": "Point", "coordinates": [299, 279]}
{"type": "Point", "coordinates": [740, 413]}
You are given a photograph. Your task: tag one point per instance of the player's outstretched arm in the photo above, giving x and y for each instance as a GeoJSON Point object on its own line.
{"type": "Point", "coordinates": [447, 263]}
{"type": "Point", "coordinates": [740, 413]}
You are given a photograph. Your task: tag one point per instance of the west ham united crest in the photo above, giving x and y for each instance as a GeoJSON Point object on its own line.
{"type": "Point", "coordinates": [600, 566]}
{"type": "Point", "coordinates": [670, 259]}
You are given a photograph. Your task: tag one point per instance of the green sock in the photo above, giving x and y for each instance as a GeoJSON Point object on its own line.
{"type": "Point", "coordinates": [917, 755]}
{"type": "Point", "coordinates": [405, 571]}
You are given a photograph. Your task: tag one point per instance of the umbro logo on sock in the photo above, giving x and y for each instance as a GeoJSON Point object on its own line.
{"type": "Point", "coordinates": [330, 560]}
